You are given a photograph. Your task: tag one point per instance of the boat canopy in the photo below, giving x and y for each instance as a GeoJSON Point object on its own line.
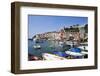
{"type": "Point", "coordinates": [75, 50]}
{"type": "Point", "coordinates": [60, 53]}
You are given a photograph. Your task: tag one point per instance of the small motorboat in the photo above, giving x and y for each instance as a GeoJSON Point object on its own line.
{"type": "Point", "coordinates": [61, 44]}
{"type": "Point", "coordinates": [37, 46]}
{"type": "Point", "coordinates": [83, 46]}
{"type": "Point", "coordinates": [75, 53]}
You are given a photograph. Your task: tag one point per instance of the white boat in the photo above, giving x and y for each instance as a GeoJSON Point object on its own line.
{"type": "Point", "coordinates": [83, 47]}
{"type": "Point", "coordinates": [37, 46]}
{"type": "Point", "coordinates": [61, 44]}
{"type": "Point", "coordinates": [74, 53]}
{"type": "Point", "coordinates": [84, 52]}
{"type": "Point", "coordinates": [47, 56]}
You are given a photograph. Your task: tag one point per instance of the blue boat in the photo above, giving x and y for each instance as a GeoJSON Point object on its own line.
{"type": "Point", "coordinates": [60, 53]}
{"type": "Point", "coordinates": [77, 50]}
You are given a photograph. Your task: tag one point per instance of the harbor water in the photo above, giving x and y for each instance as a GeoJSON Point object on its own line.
{"type": "Point", "coordinates": [47, 46]}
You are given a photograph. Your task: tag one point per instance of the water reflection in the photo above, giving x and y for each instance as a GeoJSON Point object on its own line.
{"type": "Point", "coordinates": [47, 46]}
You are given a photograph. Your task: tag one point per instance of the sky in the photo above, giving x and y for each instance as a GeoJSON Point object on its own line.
{"type": "Point", "coordinates": [41, 24]}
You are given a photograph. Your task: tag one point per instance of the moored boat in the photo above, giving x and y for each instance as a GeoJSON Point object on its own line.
{"type": "Point", "coordinates": [37, 46]}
